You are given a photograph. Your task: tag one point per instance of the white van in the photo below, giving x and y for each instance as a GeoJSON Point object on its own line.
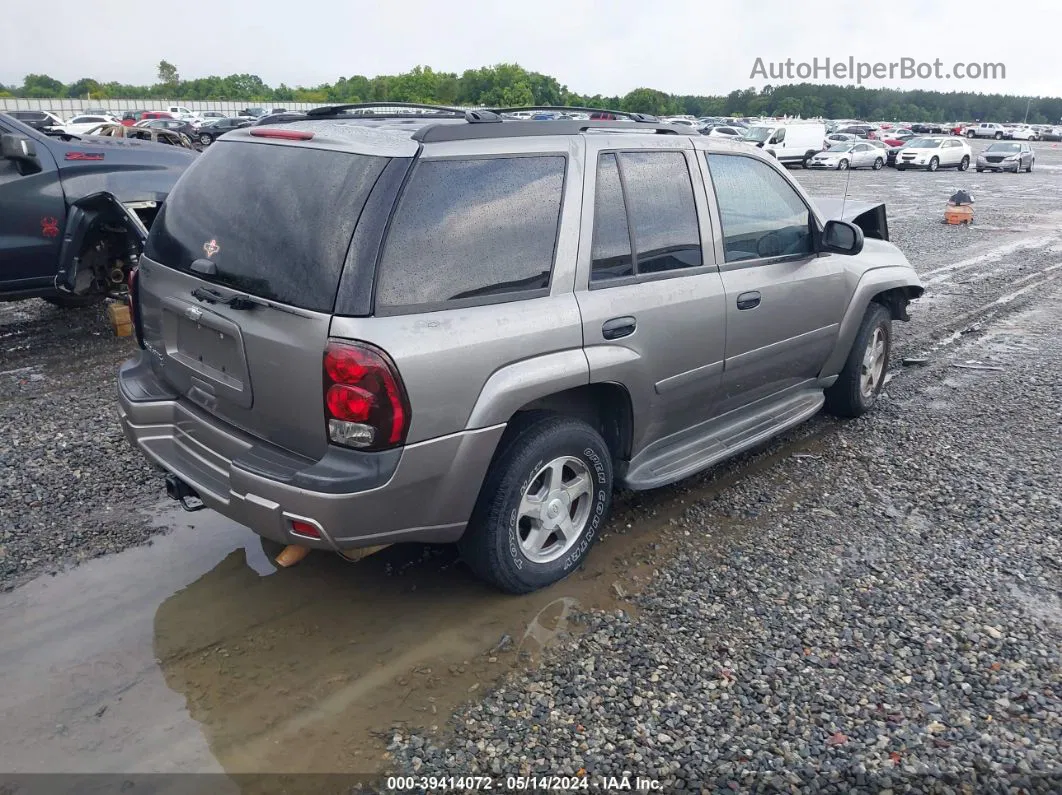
{"type": "Point", "coordinates": [790, 142]}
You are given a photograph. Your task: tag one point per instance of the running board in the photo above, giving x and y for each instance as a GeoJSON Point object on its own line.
{"type": "Point", "coordinates": [694, 450]}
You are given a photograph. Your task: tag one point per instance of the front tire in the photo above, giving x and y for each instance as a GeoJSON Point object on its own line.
{"type": "Point", "coordinates": [542, 505]}
{"type": "Point", "coordinates": [879, 164]}
{"type": "Point", "coordinates": [964, 163]}
{"type": "Point", "coordinates": [857, 388]}
{"type": "Point", "coordinates": [934, 164]}
{"type": "Point", "coordinates": [999, 136]}
{"type": "Point", "coordinates": [842, 166]}
{"type": "Point", "coordinates": [205, 140]}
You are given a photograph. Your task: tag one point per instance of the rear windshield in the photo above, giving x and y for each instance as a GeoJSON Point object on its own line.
{"type": "Point", "coordinates": [275, 220]}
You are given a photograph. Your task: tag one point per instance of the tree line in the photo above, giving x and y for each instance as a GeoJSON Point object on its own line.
{"type": "Point", "coordinates": [511, 85]}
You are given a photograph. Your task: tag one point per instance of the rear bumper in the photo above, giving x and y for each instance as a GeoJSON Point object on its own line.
{"type": "Point", "coordinates": [423, 492]}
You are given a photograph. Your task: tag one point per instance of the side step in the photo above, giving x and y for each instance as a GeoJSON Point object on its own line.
{"type": "Point", "coordinates": [693, 450]}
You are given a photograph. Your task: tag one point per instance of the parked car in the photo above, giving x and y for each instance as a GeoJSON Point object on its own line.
{"type": "Point", "coordinates": [153, 134]}
{"type": "Point", "coordinates": [148, 115]}
{"type": "Point", "coordinates": [897, 138]}
{"type": "Point", "coordinates": [930, 128]}
{"type": "Point", "coordinates": [933, 152]}
{"type": "Point", "coordinates": [37, 119]}
{"type": "Point", "coordinates": [838, 138]}
{"type": "Point", "coordinates": [1022, 133]}
{"type": "Point", "coordinates": [213, 114]}
{"type": "Point", "coordinates": [79, 124]}
{"type": "Point", "coordinates": [211, 130]}
{"type": "Point", "coordinates": [788, 142]}
{"type": "Point", "coordinates": [859, 130]}
{"type": "Point", "coordinates": [723, 131]}
{"type": "Point", "coordinates": [72, 211]}
{"type": "Point", "coordinates": [175, 125]}
{"type": "Point", "coordinates": [1053, 134]}
{"type": "Point", "coordinates": [415, 386]}
{"type": "Point", "coordinates": [987, 130]}
{"type": "Point", "coordinates": [1006, 156]}
{"type": "Point", "coordinates": [857, 154]}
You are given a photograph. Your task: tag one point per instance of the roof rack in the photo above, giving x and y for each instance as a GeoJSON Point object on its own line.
{"type": "Point", "coordinates": [335, 110]}
{"type": "Point", "coordinates": [638, 117]}
{"type": "Point", "coordinates": [434, 133]}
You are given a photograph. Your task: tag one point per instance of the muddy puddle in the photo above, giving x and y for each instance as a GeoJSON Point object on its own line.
{"type": "Point", "coordinates": [196, 654]}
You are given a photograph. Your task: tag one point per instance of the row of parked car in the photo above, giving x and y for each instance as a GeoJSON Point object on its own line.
{"type": "Point", "coordinates": [1010, 132]}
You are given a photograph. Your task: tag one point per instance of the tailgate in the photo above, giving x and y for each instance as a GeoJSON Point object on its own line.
{"type": "Point", "coordinates": [238, 283]}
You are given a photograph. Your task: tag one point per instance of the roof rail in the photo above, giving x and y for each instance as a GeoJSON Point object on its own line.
{"type": "Point", "coordinates": [433, 133]}
{"type": "Point", "coordinates": [639, 117]}
{"type": "Point", "coordinates": [335, 110]}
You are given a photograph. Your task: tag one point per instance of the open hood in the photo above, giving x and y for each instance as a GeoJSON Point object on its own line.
{"type": "Point", "coordinates": [868, 216]}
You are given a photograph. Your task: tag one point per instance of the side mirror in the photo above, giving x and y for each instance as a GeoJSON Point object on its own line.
{"type": "Point", "coordinates": [841, 237]}
{"type": "Point", "coordinates": [22, 151]}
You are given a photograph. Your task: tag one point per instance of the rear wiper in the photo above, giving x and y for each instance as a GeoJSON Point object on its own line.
{"type": "Point", "coordinates": [208, 296]}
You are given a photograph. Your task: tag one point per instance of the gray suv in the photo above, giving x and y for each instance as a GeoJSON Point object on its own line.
{"type": "Point", "coordinates": [367, 326]}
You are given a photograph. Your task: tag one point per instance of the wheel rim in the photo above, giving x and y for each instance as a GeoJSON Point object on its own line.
{"type": "Point", "coordinates": [842, 165]}
{"type": "Point", "coordinates": [204, 139]}
{"type": "Point", "coordinates": [554, 509]}
{"type": "Point", "coordinates": [933, 164]}
{"type": "Point", "coordinates": [873, 367]}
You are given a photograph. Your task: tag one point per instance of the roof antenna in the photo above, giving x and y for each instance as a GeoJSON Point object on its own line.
{"type": "Point", "coordinates": [844, 200]}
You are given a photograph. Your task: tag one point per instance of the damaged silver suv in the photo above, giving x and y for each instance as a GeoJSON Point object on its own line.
{"type": "Point", "coordinates": [367, 325]}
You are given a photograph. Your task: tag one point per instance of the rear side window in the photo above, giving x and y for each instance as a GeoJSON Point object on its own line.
{"type": "Point", "coordinates": [647, 197]}
{"type": "Point", "coordinates": [276, 220]}
{"type": "Point", "coordinates": [466, 230]}
{"type": "Point", "coordinates": [761, 214]}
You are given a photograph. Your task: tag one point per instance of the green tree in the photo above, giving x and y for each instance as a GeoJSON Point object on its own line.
{"type": "Point", "coordinates": [42, 86]}
{"type": "Point", "coordinates": [86, 86]}
{"type": "Point", "coordinates": [167, 74]}
{"type": "Point", "coordinates": [649, 100]}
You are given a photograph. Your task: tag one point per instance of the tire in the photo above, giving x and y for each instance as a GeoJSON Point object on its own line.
{"type": "Point", "coordinates": [842, 166]}
{"type": "Point", "coordinates": [999, 136]}
{"type": "Point", "coordinates": [74, 301]}
{"type": "Point", "coordinates": [205, 140]}
{"type": "Point", "coordinates": [964, 164]}
{"type": "Point", "coordinates": [970, 134]}
{"type": "Point", "coordinates": [855, 391]}
{"type": "Point", "coordinates": [980, 170]}
{"type": "Point", "coordinates": [499, 544]}
{"type": "Point", "coordinates": [901, 168]}
{"type": "Point", "coordinates": [1031, 164]}
{"type": "Point", "coordinates": [878, 164]}
{"type": "Point", "coordinates": [934, 164]}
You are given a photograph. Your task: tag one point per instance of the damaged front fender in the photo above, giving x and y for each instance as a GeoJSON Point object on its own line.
{"type": "Point", "coordinates": [102, 242]}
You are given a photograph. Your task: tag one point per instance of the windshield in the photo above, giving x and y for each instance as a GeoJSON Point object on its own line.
{"type": "Point", "coordinates": [758, 133]}
{"type": "Point", "coordinates": [923, 143]}
{"type": "Point", "coordinates": [1004, 147]}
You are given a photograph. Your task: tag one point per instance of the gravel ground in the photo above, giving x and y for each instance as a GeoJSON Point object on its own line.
{"type": "Point", "coordinates": [71, 487]}
{"type": "Point", "coordinates": [899, 629]}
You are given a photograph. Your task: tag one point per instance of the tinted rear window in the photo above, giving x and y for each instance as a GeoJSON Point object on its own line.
{"type": "Point", "coordinates": [473, 230]}
{"type": "Point", "coordinates": [275, 220]}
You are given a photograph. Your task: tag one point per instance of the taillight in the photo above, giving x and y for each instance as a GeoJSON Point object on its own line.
{"type": "Point", "coordinates": [365, 401]}
{"type": "Point", "coordinates": [134, 304]}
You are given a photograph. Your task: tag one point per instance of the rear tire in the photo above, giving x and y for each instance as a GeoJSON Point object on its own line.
{"type": "Point", "coordinates": [857, 388]}
{"type": "Point", "coordinates": [878, 164]}
{"type": "Point", "coordinates": [542, 505]}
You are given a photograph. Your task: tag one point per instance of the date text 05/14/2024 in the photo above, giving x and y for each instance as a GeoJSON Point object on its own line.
{"type": "Point", "coordinates": [529, 784]}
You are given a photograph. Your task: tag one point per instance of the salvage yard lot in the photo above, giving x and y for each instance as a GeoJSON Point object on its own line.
{"type": "Point", "coordinates": [873, 601]}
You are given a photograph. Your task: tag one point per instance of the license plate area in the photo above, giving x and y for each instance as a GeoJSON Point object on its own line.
{"type": "Point", "coordinates": [209, 348]}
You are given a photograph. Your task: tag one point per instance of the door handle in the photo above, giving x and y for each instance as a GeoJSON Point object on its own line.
{"type": "Point", "coordinates": [618, 327]}
{"type": "Point", "coordinates": [748, 300]}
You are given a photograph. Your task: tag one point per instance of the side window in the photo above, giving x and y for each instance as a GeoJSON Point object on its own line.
{"type": "Point", "coordinates": [472, 229]}
{"type": "Point", "coordinates": [761, 214]}
{"type": "Point", "coordinates": [778, 136]}
{"type": "Point", "coordinates": [610, 252]}
{"type": "Point", "coordinates": [661, 211]}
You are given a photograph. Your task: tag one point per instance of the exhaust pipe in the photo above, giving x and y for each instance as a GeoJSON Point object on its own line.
{"type": "Point", "coordinates": [177, 489]}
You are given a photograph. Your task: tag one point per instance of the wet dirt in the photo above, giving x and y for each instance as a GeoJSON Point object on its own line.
{"type": "Point", "coordinates": [196, 653]}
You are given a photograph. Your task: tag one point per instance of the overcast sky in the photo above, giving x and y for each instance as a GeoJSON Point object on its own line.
{"type": "Point", "coordinates": [609, 47]}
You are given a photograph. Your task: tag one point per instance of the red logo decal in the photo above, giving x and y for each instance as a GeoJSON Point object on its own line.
{"type": "Point", "coordinates": [84, 155]}
{"type": "Point", "coordinates": [50, 227]}
{"type": "Point", "coordinates": [211, 248]}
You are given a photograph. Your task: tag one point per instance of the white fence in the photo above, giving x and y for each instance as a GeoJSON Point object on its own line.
{"type": "Point", "coordinates": [72, 107]}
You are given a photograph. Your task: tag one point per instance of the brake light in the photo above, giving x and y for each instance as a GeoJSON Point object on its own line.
{"type": "Point", "coordinates": [290, 135]}
{"type": "Point", "coordinates": [304, 529]}
{"type": "Point", "coordinates": [133, 296]}
{"type": "Point", "coordinates": [366, 406]}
